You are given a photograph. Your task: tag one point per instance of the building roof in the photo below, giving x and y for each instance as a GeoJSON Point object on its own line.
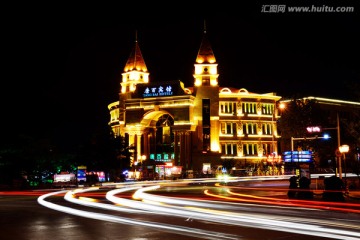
{"type": "Point", "coordinates": [205, 54]}
{"type": "Point", "coordinates": [135, 60]}
{"type": "Point", "coordinates": [329, 102]}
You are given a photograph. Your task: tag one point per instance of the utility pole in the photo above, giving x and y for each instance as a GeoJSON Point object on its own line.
{"type": "Point", "coordinates": [338, 132]}
{"type": "Point", "coordinates": [338, 159]}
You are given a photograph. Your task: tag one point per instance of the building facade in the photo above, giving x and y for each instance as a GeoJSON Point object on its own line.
{"type": "Point", "coordinates": [197, 127]}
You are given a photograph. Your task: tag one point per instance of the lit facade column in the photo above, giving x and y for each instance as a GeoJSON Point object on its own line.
{"type": "Point", "coordinates": [132, 143]}
{"type": "Point", "coordinates": [138, 147]}
{"type": "Point", "coordinates": [131, 139]}
{"type": "Point", "coordinates": [146, 144]}
{"type": "Point", "coordinates": [214, 134]}
{"type": "Point", "coordinates": [176, 149]}
{"type": "Point", "coordinates": [187, 149]}
{"type": "Point", "coordinates": [182, 149]}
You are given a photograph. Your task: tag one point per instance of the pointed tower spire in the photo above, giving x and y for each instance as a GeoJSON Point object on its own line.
{"type": "Point", "coordinates": [205, 66]}
{"type": "Point", "coordinates": [135, 70]}
{"type": "Point", "coordinates": [135, 60]}
{"type": "Point", "coordinates": [205, 54]}
{"type": "Point", "coordinates": [204, 26]}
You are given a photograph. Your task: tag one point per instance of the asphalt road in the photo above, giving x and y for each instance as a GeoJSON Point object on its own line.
{"type": "Point", "coordinates": [22, 217]}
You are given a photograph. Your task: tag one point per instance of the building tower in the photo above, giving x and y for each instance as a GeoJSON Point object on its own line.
{"type": "Point", "coordinates": [206, 90]}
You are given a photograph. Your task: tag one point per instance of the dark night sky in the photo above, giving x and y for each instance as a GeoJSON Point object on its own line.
{"type": "Point", "coordinates": [64, 63]}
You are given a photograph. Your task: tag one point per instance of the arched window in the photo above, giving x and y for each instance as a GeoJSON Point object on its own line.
{"type": "Point", "coordinates": [164, 134]}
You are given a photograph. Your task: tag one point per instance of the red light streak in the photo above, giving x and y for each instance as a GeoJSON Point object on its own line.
{"type": "Point", "coordinates": [287, 202]}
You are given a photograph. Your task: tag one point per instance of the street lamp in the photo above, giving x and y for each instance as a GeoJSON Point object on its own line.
{"type": "Point", "coordinates": [344, 149]}
{"type": "Point", "coordinates": [282, 106]}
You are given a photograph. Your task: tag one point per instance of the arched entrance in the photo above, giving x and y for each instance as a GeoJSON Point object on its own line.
{"type": "Point", "coordinates": [160, 134]}
{"type": "Point", "coordinates": [159, 142]}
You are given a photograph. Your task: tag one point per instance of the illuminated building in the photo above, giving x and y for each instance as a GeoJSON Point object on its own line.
{"type": "Point", "coordinates": [195, 127]}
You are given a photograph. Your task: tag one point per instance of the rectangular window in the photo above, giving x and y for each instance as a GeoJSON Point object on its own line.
{"type": "Point", "coordinates": [249, 129]}
{"type": "Point", "coordinates": [228, 128]}
{"type": "Point", "coordinates": [245, 150]}
{"type": "Point", "coordinates": [249, 108]}
{"type": "Point", "coordinates": [269, 129]}
{"type": "Point", "coordinates": [223, 130]}
{"type": "Point", "coordinates": [250, 149]}
{"type": "Point", "coordinates": [227, 107]}
{"type": "Point", "coordinates": [228, 149]}
{"type": "Point", "coordinates": [234, 150]}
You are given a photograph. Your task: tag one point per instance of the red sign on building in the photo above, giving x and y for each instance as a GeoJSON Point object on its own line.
{"type": "Point", "coordinates": [313, 129]}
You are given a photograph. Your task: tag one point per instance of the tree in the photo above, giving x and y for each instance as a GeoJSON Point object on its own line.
{"type": "Point", "coordinates": [295, 118]}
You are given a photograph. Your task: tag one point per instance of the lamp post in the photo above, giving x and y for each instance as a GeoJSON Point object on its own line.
{"type": "Point", "coordinates": [344, 149]}
{"type": "Point", "coordinates": [338, 142]}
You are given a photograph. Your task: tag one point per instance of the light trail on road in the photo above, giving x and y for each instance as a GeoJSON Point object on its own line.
{"type": "Point", "coordinates": [111, 218]}
{"type": "Point", "coordinates": [219, 212]}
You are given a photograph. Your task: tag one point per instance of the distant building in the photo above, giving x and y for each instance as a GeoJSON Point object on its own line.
{"type": "Point", "coordinates": [197, 127]}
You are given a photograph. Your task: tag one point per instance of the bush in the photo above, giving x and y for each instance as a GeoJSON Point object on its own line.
{"type": "Point", "coordinates": [333, 189]}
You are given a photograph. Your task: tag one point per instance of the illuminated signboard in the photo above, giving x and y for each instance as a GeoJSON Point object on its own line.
{"type": "Point", "coordinates": [158, 91]}
{"type": "Point", "coordinates": [162, 157]}
{"type": "Point", "coordinates": [298, 156]}
{"type": "Point", "coordinates": [313, 129]}
{"type": "Point", "coordinates": [162, 89]}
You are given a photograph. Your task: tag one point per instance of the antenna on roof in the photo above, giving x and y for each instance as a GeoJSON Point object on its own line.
{"type": "Point", "coordinates": [204, 26]}
{"type": "Point", "coordinates": [136, 36]}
